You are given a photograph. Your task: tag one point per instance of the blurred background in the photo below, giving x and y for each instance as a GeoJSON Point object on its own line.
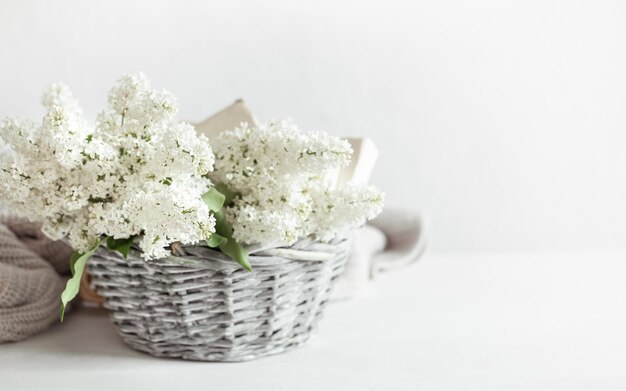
{"type": "Point", "coordinates": [501, 120]}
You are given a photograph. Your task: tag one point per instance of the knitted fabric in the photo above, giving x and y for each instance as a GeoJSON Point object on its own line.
{"type": "Point", "coordinates": [31, 268]}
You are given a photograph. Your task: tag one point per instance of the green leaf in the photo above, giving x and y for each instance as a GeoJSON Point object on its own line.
{"type": "Point", "coordinates": [236, 252]}
{"type": "Point", "coordinates": [122, 246]}
{"type": "Point", "coordinates": [215, 240]}
{"type": "Point", "coordinates": [214, 199]}
{"type": "Point", "coordinates": [73, 260]}
{"type": "Point", "coordinates": [77, 266]}
{"type": "Point", "coordinates": [230, 246]}
{"type": "Point", "coordinates": [230, 195]}
{"type": "Point", "coordinates": [222, 226]}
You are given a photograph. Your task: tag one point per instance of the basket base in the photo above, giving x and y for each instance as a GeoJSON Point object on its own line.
{"type": "Point", "coordinates": [214, 354]}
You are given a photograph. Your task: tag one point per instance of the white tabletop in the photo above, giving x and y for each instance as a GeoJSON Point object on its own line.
{"type": "Point", "coordinates": [496, 322]}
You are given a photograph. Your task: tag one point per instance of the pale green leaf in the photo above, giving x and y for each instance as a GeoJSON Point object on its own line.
{"type": "Point", "coordinates": [222, 226]}
{"type": "Point", "coordinates": [122, 246]}
{"type": "Point", "coordinates": [73, 260]}
{"type": "Point", "coordinates": [236, 252]}
{"type": "Point", "coordinates": [230, 195]}
{"type": "Point", "coordinates": [77, 266]}
{"type": "Point", "coordinates": [213, 199]}
{"type": "Point", "coordinates": [230, 246]}
{"type": "Point", "coordinates": [215, 240]}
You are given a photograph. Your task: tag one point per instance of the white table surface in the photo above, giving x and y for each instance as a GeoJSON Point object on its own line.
{"type": "Point", "coordinates": [481, 322]}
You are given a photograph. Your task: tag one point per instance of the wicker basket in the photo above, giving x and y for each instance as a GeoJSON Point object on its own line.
{"type": "Point", "coordinates": [206, 307]}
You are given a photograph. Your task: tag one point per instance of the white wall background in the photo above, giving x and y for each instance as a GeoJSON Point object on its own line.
{"type": "Point", "coordinates": [503, 120]}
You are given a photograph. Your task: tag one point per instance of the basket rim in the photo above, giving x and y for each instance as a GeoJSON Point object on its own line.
{"type": "Point", "coordinates": [305, 250]}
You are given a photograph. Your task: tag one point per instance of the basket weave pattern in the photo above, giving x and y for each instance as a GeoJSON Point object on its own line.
{"type": "Point", "coordinates": [206, 307]}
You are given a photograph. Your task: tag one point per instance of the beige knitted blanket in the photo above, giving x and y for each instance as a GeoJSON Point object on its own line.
{"type": "Point", "coordinates": [31, 278]}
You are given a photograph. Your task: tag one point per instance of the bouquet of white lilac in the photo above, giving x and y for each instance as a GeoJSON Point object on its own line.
{"type": "Point", "coordinates": [139, 177]}
{"type": "Point", "coordinates": [138, 174]}
{"type": "Point", "coordinates": [284, 187]}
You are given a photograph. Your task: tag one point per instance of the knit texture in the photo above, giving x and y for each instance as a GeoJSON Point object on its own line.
{"type": "Point", "coordinates": [31, 281]}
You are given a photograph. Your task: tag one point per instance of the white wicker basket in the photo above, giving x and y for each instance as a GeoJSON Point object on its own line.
{"type": "Point", "coordinates": [205, 307]}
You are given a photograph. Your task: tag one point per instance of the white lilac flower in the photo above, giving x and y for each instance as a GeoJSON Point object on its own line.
{"type": "Point", "coordinates": [138, 172]}
{"type": "Point", "coordinates": [283, 180]}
